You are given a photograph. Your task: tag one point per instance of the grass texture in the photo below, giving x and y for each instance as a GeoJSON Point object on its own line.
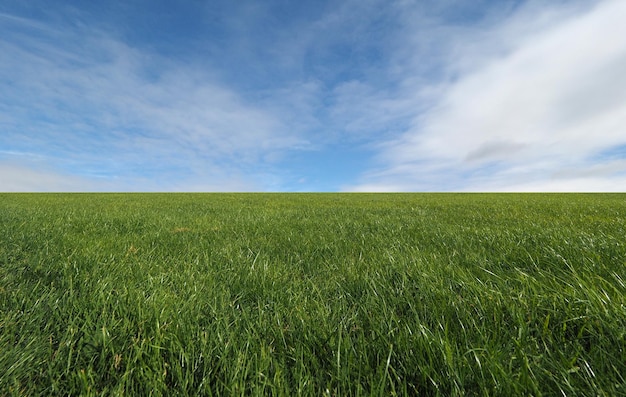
{"type": "Point", "coordinates": [313, 294]}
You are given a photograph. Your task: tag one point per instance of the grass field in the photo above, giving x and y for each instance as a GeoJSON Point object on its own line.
{"type": "Point", "coordinates": [312, 294]}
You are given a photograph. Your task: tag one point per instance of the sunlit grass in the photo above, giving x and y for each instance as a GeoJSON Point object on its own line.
{"type": "Point", "coordinates": [312, 294]}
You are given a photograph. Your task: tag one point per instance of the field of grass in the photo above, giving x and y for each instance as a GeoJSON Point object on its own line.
{"type": "Point", "coordinates": [312, 294]}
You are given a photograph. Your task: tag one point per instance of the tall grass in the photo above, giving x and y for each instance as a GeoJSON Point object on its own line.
{"type": "Point", "coordinates": [312, 294]}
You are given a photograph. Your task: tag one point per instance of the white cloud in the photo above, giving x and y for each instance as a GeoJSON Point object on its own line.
{"type": "Point", "coordinates": [93, 104]}
{"type": "Point", "coordinates": [531, 110]}
{"type": "Point", "coordinates": [463, 97]}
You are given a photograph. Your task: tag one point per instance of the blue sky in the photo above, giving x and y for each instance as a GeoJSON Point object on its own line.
{"type": "Point", "coordinates": [367, 95]}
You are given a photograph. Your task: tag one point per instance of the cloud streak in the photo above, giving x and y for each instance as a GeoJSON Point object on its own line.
{"type": "Point", "coordinates": [543, 102]}
{"type": "Point", "coordinates": [361, 95]}
{"type": "Point", "coordinates": [94, 105]}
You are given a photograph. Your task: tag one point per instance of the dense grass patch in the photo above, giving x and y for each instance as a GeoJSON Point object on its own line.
{"type": "Point", "coordinates": [312, 294]}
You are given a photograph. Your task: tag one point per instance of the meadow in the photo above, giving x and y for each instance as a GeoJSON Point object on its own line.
{"type": "Point", "coordinates": [313, 294]}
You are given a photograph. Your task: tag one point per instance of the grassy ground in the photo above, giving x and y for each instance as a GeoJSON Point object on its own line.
{"type": "Point", "coordinates": [313, 294]}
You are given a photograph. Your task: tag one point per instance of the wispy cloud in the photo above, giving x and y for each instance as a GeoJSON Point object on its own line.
{"type": "Point", "coordinates": [360, 95]}
{"type": "Point", "coordinates": [93, 105]}
{"type": "Point", "coordinates": [530, 107]}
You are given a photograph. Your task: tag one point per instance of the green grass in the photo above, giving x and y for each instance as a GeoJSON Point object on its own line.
{"type": "Point", "coordinates": [312, 294]}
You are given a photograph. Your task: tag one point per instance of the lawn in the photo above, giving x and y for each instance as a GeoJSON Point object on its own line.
{"type": "Point", "coordinates": [313, 294]}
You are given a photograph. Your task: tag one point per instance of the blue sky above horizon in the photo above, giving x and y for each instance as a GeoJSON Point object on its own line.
{"type": "Point", "coordinates": [368, 95]}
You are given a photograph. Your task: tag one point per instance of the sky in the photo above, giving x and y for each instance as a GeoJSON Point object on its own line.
{"type": "Point", "coordinates": [313, 95]}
